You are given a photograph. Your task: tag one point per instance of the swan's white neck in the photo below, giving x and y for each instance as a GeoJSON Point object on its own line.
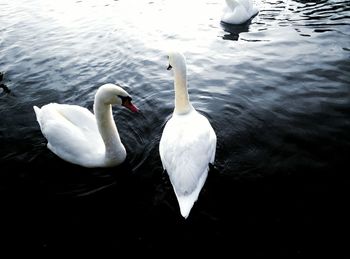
{"type": "Point", "coordinates": [182, 102]}
{"type": "Point", "coordinates": [115, 151]}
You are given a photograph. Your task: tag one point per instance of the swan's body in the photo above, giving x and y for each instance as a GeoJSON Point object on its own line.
{"type": "Point", "coordinates": [81, 137]}
{"type": "Point", "coordinates": [239, 11]}
{"type": "Point", "coordinates": [188, 143]}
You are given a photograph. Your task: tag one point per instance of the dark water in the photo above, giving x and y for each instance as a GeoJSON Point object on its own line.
{"type": "Point", "coordinates": [276, 90]}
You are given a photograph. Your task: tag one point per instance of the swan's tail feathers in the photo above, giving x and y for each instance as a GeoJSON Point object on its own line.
{"type": "Point", "coordinates": [37, 111]}
{"type": "Point", "coordinates": [186, 200]}
{"type": "Point", "coordinates": [232, 4]}
{"type": "Point", "coordinates": [186, 204]}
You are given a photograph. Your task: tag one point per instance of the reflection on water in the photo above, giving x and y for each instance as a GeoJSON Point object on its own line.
{"type": "Point", "coordinates": [234, 30]}
{"type": "Point", "coordinates": [4, 89]}
{"type": "Point", "coordinates": [276, 91]}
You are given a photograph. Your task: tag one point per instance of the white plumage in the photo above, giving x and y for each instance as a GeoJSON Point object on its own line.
{"type": "Point", "coordinates": [239, 11]}
{"type": "Point", "coordinates": [188, 142]}
{"type": "Point", "coordinates": [81, 137]}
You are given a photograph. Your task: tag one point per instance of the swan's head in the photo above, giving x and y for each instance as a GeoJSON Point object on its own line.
{"type": "Point", "coordinates": [176, 60]}
{"type": "Point", "coordinates": [114, 94]}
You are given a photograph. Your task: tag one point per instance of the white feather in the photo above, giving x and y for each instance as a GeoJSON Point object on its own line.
{"type": "Point", "coordinates": [188, 143]}
{"type": "Point", "coordinates": [78, 136]}
{"type": "Point", "coordinates": [239, 11]}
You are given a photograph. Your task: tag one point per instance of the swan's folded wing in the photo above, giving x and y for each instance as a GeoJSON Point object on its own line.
{"type": "Point", "coordinates": [232, 4]}
{"type": "Point", "coordinates": [70, 130]}
{"type": "Point", "coordinates": [76, 115]}
{"type": "Point", "coordinates": [186, 150]}
{"type": "Point", "coordinates": [249, 7]}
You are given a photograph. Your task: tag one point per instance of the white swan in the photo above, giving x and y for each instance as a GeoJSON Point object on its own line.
{"type": "Point", "coordinates": [80, 137]}
{"type": "Point", "coordinates": [188, 142]}
{"type": "Point", "coordinates": [239, 11]}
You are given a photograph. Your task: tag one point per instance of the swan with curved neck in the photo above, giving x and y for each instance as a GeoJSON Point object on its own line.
{"type": "Point", "coordinates": [239, 11]}
{"type": "Point", "coordinates": [80, 137]}
{"type": "Point", "coordinates": [188, 142]}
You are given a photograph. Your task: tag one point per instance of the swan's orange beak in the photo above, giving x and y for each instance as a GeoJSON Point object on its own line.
{"type": "Point", "coordinates": [130, 106]}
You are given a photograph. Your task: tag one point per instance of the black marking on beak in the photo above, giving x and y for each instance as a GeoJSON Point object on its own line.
{"type": "Point", "coordinates": [169, 67]}
{"type": "Point", "coordinates": [125, 99]}
{"type": "Point", "coordinates": [126, 102]}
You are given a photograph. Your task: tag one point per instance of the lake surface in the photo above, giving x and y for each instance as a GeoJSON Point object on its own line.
{"type": "Point", "coordinates": [276, 91]}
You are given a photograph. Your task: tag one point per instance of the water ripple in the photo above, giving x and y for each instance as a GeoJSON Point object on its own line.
{"type": "Point", "coordinates": [265, 85]}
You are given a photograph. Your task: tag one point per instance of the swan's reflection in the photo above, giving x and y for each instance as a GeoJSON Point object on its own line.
{"type": "Point", "coordinates": [234, 30]}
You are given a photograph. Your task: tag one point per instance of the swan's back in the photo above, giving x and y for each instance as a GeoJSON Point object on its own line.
{"type": "Point", "coordinates": [71, 132]}
{"type": "Point", "coordinates": [75, 114]}
{"type": "Point", "coordinates": [239, 11]}
{"type": "Point", "coordinates": [186, 148]}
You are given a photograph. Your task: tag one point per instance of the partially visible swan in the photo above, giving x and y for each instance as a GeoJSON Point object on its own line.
{"type": "Point", "coordinates": [80, 137]}
{"type": "Point", "coordinates": [239, 11]}
{"type": "Point", "coordinates": [188, 142]}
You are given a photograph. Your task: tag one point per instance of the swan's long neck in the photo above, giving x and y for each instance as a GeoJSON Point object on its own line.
{"type": "Point", "coordinates": [182, 102]}
{"type": "Point", "coordinates": [108, 130]}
